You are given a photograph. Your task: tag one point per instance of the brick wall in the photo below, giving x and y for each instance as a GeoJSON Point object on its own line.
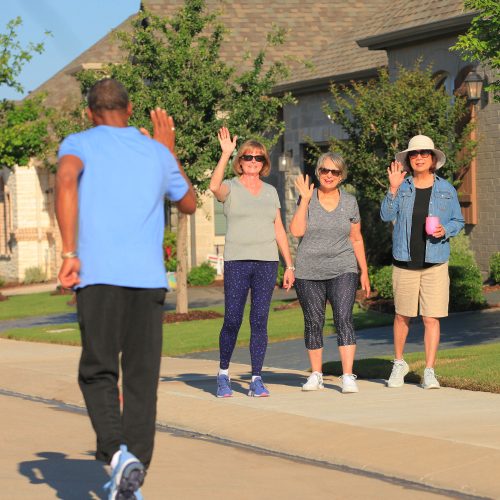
{"type": "Point", "coordinates": [485, 236]}
{"type": "Point", "coordinates": [34, 239]}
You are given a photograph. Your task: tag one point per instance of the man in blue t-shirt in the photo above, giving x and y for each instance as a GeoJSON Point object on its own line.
{"type": "Point", "coordinates": [110, 188]}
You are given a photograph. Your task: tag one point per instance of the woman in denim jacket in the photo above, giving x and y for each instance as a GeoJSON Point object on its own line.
{"type": "Point", "coordinates": [420, 260]}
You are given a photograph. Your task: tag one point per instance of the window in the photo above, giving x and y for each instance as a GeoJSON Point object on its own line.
{"type": "Point", "coordinates": [5, 218]}
{"type": "Point", "coordinates": [310, 155]}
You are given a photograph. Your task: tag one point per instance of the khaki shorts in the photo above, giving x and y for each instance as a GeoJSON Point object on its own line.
{"type": "Point", "coordinates": [425, 289]}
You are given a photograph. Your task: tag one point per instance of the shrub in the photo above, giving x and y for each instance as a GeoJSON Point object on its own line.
{"type": "Point", "coordinates": [204, 274]}
{"type": "Point", "coordinates": [466, 290]}
{"type": "Point", "coordinates": [171, 264]}
{"type": "Point", "coordinates": [2, 281]}
{"type": "Point", "coordinates": [170, 250]}
{"type": "Point", "coordinates": [381, 280]}
{"type": "Point", "coordinates": [494, 267]}
{"type": "Point", "coordinates": [34, 275]}
{"type": "Point", "coordinates": [280, 275]}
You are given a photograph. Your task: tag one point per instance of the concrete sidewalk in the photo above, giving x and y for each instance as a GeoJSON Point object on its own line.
{"type": "Point", "coordinates": [444, 443]}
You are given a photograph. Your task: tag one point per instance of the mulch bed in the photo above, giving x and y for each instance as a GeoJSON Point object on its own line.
{"type": "Point", "coordinates": [190, 316]}
{"type": "Point", "coordinates": [3, 297]}
{"type": "Point", "coordinates": [491, 288]}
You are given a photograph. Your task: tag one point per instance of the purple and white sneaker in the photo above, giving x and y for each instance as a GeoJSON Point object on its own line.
{"type": "Point", "coordinates": [224, 386]}
{"type": "Point", "coordinates": [258, 389]}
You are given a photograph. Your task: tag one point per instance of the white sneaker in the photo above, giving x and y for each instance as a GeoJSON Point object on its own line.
{"type": "Point", "coordinates": [399, 370]}
{"type": "Point", "coordinates": [430, 380]}
{"type": "Point", "coordinates": [314, 382]}
{"type": "Point", "coordinates": [349, 383]}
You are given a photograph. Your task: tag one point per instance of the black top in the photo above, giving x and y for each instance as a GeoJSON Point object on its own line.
{"type": "Point", "coordinates": [418, 237]}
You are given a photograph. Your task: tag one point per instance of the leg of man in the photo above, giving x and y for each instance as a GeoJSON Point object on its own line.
{"type": "Point", "coordinates": [141, 357]}
{"type": "Point", "coordinates": [236, 286]}
{"type": "Point", "coordinates": [263, 281]}
{"type": "Point", "coordinates": [101, 318]}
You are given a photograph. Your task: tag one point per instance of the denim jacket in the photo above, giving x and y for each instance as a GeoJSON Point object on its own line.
{"type": "Point", "coordinates": [399, 210]}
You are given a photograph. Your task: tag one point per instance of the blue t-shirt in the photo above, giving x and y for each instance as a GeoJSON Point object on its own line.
{"type": "Point", "coordinates": [121, 192]}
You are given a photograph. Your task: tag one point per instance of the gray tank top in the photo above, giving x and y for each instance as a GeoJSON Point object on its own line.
{"type": "Point", "coordinates": [250, 222]}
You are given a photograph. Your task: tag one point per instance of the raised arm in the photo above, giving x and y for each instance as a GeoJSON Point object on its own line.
{"type": "Point", "coordinates": [227, 145]}
{"type": "Point", "coordinates": [390, 206]}
{"type": "Point", "coordinates": [298, 224]}
{"type": "Point", "coordinates": [164, 133]}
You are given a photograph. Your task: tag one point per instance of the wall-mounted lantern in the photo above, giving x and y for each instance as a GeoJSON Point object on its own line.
{"type": "Point", "coordinates": [474, 86]}
{"type": "Point", "coordinates": [285, 160]}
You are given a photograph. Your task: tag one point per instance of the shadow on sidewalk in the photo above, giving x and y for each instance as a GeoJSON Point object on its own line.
{"type": "Point", "coordinates": [240, 383]}
{"type": "Point", "coordinates": [71, 479]}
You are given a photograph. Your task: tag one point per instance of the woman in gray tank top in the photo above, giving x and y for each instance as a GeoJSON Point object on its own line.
{"type": "Point", "coordinates": [328, 256]}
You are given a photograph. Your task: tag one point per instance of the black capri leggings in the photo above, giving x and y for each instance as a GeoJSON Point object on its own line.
{"type": "Point", "coordinates": [341, 293]}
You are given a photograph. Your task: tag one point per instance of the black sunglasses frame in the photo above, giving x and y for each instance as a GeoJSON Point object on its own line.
{"type": "Point", "coordinates": [258, 158]}
{"type": "Point", "coordinates": [424, 153]}
{"type": "Point", "coordinates": [326, 171]}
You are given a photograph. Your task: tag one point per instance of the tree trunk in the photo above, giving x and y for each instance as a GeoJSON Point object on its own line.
{"type": "Point", "coordinates": [182, 263]}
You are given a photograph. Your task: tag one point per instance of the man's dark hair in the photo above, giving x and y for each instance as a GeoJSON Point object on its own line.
{"type": "Point", "coordinates": [107, 94]}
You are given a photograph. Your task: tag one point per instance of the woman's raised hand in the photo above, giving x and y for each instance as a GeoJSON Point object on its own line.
{"type": "Point", "coordinates": [227, 145]}
{"type": "Point", "coordinates": [396, 173]}
{"type": "Point", "coordinates": [304, 188]}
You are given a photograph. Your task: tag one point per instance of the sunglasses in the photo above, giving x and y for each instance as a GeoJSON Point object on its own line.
{"type": "Point", "coordinates": [424, 153]}
{"type": "Point", "coordinates": [258, 158]}
{"type": "Point", "coordinates": [326, 171]}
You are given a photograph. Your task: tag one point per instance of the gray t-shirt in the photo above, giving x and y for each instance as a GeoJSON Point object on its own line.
{"type": "Point", "coordinates": [325, 251]}
{"type": "Point", "coordinates": [250, 222]}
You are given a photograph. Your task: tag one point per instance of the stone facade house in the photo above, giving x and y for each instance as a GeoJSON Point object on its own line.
{"type": "Point", "coordinates": [344, 41]}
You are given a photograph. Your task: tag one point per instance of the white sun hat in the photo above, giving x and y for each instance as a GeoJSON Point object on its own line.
{"type": "Point", "coordinates": [420, 142]}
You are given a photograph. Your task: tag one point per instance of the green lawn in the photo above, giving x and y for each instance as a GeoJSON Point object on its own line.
{"type": "Point", "coordinates": [34, 304]}
{"type": "Point", "coordinates": [191, 336]}
{"type": "Point", "coordinates": [475, 368]}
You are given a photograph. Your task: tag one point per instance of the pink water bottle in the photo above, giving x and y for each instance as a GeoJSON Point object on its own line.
{"type": "Point", "coordinates": [431, 224]}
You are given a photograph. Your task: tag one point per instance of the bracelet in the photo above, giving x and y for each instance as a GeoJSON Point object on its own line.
{"type": "Point", "coordinates": [290, 268]}
{"type": "Point", "coordinates": [69, 255]}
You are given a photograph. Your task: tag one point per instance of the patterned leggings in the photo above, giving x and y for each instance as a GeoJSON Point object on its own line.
{"type": "Point", "coordinates": [239, 277]}
{"type": "Point", "coordinates": [341, 293]}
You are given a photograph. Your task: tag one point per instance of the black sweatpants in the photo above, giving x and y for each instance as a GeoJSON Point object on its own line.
{"type": "Point", "coordinates": [116, 320]}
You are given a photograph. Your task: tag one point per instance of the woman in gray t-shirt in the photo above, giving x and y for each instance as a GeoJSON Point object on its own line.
{"type": "Point", "coordinates": [328, 256]}
{"type": "Point", "coordinates": [254, 234]}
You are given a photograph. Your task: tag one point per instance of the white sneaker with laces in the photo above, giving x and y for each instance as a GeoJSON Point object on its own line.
{"type": "Point", "coordinates": [430, 380]}
{"type": "Point", "coordinates": [314, 382]}
{"type": "Point", "coordinates": [400, 368]}
{"type": "Point", "coordinates": [349, 383]}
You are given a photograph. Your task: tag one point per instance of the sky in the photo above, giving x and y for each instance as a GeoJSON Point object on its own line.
{"type": "Point", "coordinates": [75, 25]}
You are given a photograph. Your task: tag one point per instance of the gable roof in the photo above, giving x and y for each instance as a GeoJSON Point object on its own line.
{"type": "Point", "coordinates": [311, 25]}
{"type": "Point", "coordinates": [403, 20]}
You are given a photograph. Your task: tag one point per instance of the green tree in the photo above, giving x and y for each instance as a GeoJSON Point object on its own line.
{"type": "Point", "coordinates": [24, 131]}
{"type": "Point", "coordinates": [482, 40]}
{"type": "Point", "coordinates": [175, 63]}
{"type": "Point", "coordinates": [13, 56]}
{"type": "Point", "coordinates": [23, 126]}
{"type": "Point", "coordinates": [379, 117]}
